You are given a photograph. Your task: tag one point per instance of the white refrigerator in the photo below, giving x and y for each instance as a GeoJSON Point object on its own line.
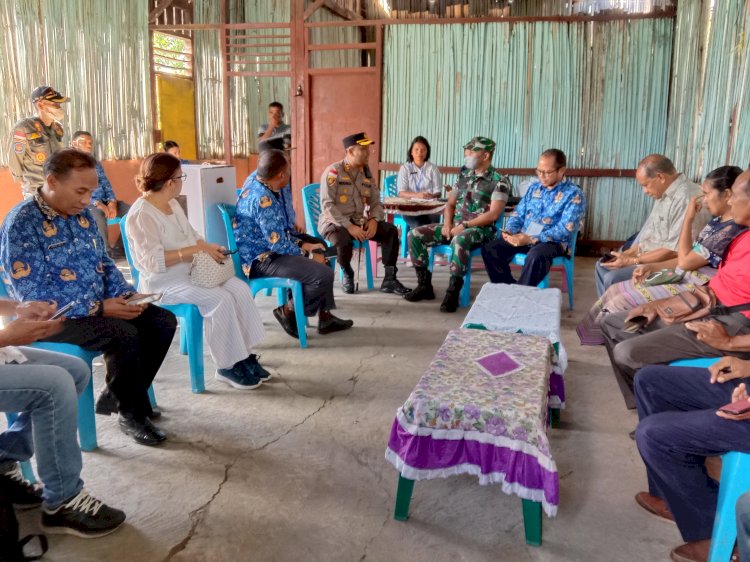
{"type": "Point", "coordinates": [204, 188]}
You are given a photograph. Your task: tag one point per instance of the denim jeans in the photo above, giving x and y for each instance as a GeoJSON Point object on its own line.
{"type": "Point", "coordinates": [45, 391]}
{"type": "Point", "coordinates": [604, 277]}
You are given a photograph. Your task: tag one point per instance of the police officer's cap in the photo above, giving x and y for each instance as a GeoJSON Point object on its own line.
{"type": "Point", "coordinates": [359, 138]}
{"type": "Point", "coordinates": [277, 143]}
{"type": "Point", "coordinates": [480, 143]}
{"type": "Point", "coordinates": [47, 93]}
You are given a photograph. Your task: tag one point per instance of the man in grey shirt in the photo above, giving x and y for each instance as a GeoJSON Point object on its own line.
{"type": "Point", "coordinates": [275, 128]}
{"type": "Point", "coordinates": [657, 240]}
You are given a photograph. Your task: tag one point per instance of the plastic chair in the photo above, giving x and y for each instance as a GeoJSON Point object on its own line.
{"type": "Point", "coordinates": [191, 324]}
{"type": "Point", "coordinates": [311, 204]}
{"type": "Point", "coordinates": [566, 264]}
{"type": "Point", "coordinates": [445, 249]}
{"type": "Point", "coordinates": [283, 284]}
{"type": "Point", "coordinates": [390, 190]}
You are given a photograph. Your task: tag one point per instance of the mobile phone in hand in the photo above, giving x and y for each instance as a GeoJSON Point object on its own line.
{"type": "Point", "coordinates": [144, 299]}
{"type": "Point", "coordinates": [230, 252]}
{"type": "Point", "coordinates": [736, 408]}
{"type": "Point", "coordinates": [608, 257]}
{"type": "Point", "coordinates": [63, 310]}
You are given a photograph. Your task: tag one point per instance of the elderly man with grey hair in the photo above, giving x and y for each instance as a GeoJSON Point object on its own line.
{"type": "Point", "coordinates": [657, 240]}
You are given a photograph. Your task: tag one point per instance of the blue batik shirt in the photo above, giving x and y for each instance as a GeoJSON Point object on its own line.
{"type": "Point", "coordinates": [261, 225]}
{"type": "Point", "coordinates": [549, 214]}
{"type": "Point", "coordinates": [104, 192]}
{"type": "Point", "coordinates": [47, 257]}
{"type": "Point", "coordinates": [286, 197]}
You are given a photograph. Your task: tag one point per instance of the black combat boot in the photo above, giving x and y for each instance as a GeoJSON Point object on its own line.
{"type": "Point", "coordinates": [450, 302]}
{"type": "Point", "coordinates": [423, 291]}
{"type": "Point", "coordinates": [347, 283]}
{"type": "Point", "coordinates": [390, 283]}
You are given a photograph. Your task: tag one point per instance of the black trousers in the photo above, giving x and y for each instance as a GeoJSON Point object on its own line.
{"type": "Point", "coordinates": [387, 235]}
{"type": "Point", "coordinates": [316, 279]}
{"type": "Point", "coordinates": [133, 352]}
{"type": "Point", "coordinates": [498, 254]}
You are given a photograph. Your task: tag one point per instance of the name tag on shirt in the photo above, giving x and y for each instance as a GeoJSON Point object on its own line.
{"type": "Point", "coordinates": [534, 229]}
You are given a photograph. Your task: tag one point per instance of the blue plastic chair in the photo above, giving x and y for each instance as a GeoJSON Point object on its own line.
{"type": "Point", "coordinates": [191, 324]}
{"type": "Point", "coordinates": [311, 205]}
{"type": "Point", "coordinates": [445, 249]}
{"type": "Point", "coordinates": [735, 468]}
{"type": "Point", "coordinates": [390, 190]}
{"type": "Point", "coordinates": [283, 284]}
{"type": "Point", "coordinates": [566, 264]}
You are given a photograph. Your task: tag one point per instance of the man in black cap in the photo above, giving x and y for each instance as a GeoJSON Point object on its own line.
{"type": "Point", "coordinates": [36, 138]}
{"type": "Point", "coordinates": [351, 210]}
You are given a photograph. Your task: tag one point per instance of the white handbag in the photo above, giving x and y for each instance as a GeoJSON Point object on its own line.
{"type": "Point", "coordinates": [207, 272]}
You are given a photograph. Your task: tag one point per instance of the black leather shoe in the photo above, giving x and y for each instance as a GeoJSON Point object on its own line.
{"type": "Point", "coordinates": [143, 433]}
{"type": "Point", "coordinates": [333, 324]}
{"type": "Point", "coordinates": [106, 404]}
{"type": "Point", "coordinates": [347, 284]}
{"type": "Point", "coordinates": [155, 413]}
{"type": "Point", "coordinates": [289, 323]}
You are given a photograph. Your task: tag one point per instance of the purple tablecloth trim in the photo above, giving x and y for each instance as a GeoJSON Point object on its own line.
{"type": "Point", "coordinates": [556, 390]}
{"type": "Point", "coordinates": [420, 457]}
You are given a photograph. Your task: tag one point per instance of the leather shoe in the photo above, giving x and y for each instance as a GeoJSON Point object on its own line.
{"type": "Point", "coordinates": [289, 323]}
{"type": "Point", "coordinates": [143, 433]}
{"type": "Point", "coordinates": [106, 404]}
{"type": "Point", "coordinates": [333, 324]}
{"type": "Point", "coordinates": [692, 551]}
{"type": "Point", "coordinates": [655, 506]}
{"type": "Point", "coordinates": [347, 284]}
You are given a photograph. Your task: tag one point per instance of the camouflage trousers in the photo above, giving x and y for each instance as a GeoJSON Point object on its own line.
{"type": "Point", "coordinates": [424, 237]}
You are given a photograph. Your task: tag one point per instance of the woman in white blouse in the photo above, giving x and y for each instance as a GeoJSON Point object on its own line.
{"type": "Point", "coordinates": [419, 178]}
{"type": "Point", "coordinates": [162, 244]}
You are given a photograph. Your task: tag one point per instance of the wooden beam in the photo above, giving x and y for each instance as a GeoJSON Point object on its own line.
{"type": "Point", "coordinates": [341, 46]}
{"type": "Point", "coordinates": [160, 7]}
{"type": "Point", "coordinates": [226, 98]}
{"type": "Point", "coordinates": [571, 172]}
{"type": "Point", "coordinates": [334, 7]}
{"type": "Point", "coordinates": [312, 9]}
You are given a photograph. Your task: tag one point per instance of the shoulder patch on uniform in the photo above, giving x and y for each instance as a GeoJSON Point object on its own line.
{"type": "Point", "coordinates": [264, 202]}
{"type": "Point", "coordinates": [331, 180]}
{"type": "Point", "coordinates": [58, 129]}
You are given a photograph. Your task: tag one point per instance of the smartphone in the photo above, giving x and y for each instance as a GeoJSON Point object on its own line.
{"type": "Point", "coordinates": [63, 310]}
{"type": "Point", "coordinates": [145, 299]}
{"type": "Point", "coordinates": [653, 275]}
{"type": "Point", "coordinates": [230, 252]}
{"type": "Point", "coordinates": [635, 324]}
{"type": "Point", "coordinates": [608, 257]}
{"type": "Point", "coordinates": [736, 408]}
{"type": "Point", "coordinates": [329, 252]}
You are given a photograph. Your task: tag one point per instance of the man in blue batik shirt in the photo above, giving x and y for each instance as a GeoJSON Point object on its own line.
{"type": "Point", "coordinates": [542, 225]}
{"type": "Point", "coordinates": [104, 204]}
{"type": "Point", "coordinates": [269, 248]}
{"type": "Point", "coordinates": [50, 250]}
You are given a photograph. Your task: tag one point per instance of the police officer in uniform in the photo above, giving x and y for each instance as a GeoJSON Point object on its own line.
{"type": "Point", "coordinates": [351, 210]}
{"type": "Point", "coordinates": [36, 138]}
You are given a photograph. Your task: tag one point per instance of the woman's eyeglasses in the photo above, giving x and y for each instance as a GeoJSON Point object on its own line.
{"type": "Point", "coordinates": [183, 177]}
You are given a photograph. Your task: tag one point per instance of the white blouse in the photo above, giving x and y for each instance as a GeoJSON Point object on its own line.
{"type": "Point", "coordinates": [420, 180]}
{"type": "Point", "coordinates": [151, 232]}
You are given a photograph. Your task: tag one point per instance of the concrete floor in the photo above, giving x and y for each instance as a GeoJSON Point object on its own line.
{"type": "Point", "coordinates": [296, 471]}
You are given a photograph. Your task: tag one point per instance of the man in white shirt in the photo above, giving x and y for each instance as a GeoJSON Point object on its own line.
{"type": "Point", "coordinates": [657, 240]}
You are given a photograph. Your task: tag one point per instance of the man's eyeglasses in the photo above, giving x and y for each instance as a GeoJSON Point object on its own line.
{"type": "Point", "coordinates": [183, 177]}
{"type": "Point", "coordinates": [546, 172]}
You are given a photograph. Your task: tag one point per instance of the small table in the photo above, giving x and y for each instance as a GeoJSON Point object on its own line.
{"type": "Point", "coordinates": [412, 207]}
{"type": "Point", "coordinates": [480, 408]}
{"type": "Point", "coordinates": [529, 310]}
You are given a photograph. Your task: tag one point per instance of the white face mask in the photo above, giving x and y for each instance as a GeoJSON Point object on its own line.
{"type": "Point", "coordinates": [471, 162]}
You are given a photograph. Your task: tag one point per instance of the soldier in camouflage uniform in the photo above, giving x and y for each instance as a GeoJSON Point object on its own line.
{"type": "Point", "coordinates": [36, 138]}
{"type": "Point", "coordinates": [477, 200]}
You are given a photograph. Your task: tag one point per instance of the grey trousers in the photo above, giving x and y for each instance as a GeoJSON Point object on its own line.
{"type": "Point", "coordinates": [659, 344]}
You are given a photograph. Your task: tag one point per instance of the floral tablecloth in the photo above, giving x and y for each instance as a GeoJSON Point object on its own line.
{"type": "Point", "coordinates": [530, 310]}
{"type": "Point", "coordinates": [413, 207]}
{"type": "Point", "coordinates": [480, 408]}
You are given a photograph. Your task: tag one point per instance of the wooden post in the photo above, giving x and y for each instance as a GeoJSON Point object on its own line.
{"type": "Point", "coordinates": [224, 33]}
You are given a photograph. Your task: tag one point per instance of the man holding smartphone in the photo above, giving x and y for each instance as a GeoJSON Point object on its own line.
{"type": "Point", "coordinates": [682, 422]}
{"type": "Point", "coordinates": [52, 251]}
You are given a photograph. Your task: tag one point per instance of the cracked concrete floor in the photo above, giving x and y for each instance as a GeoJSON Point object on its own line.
{"type": "Point", "coordinates": [296, 471]}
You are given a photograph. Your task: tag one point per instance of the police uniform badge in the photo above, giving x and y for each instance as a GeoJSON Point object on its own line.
{"type": "Point", "coordinates": [20, 270]}
{"type": "Point", "coordinates": [274, 237]}
{"type": "Point", "coordinates": [343, 198]}
{"type": "Point", "coordinates": [331, 180]}
{"type": "Point", "coordinates": [19, 148]}
{"type": "Point", "coordinates": [68, 274]}
{"type": "Point", "coordinates": [40, 157]}
{"type": "Point", "coordinates": [264, 202]}
{"type": "Point", "coordinates": [558, 197]}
